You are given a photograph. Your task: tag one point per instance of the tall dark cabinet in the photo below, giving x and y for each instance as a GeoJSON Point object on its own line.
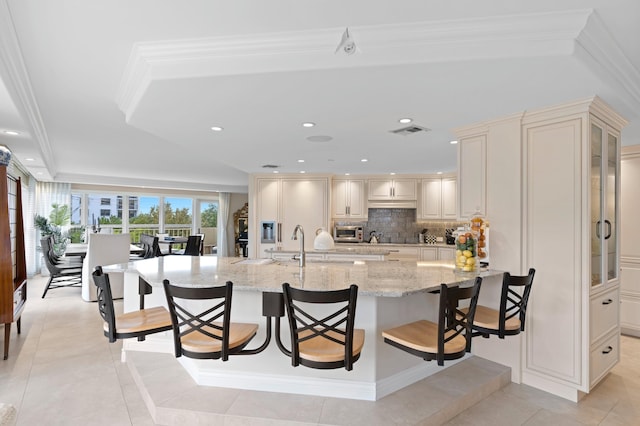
{"type": "Point", "coordinates": [13, 268]}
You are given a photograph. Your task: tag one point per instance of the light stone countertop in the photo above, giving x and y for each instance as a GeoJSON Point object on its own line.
{"type": "Point", "coordinates": [366, 249]}
{"type": "Point", "coordinates": [392, 245]}
{"type": "Point", "coordinates": [375, 278]}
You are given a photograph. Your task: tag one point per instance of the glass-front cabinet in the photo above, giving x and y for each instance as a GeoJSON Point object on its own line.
{"type": "Point", "coordinates": [605, 176]}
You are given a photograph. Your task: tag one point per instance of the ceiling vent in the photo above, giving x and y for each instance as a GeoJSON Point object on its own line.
{"type": "Point", "coordinates": [270, 166]}
{"type": "Point", "coordinates": [410, 130]}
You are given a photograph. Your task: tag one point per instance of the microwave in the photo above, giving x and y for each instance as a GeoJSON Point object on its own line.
{"type": "Point", "coordinates": [348, 234]}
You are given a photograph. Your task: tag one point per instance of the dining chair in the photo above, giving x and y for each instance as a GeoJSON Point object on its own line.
{"type": "Point", "coordinates": [450, 337]}
{"type": "Point", "coordinates": [204, 330]}
{"type": "Point", "coordinates": [319, 339]}
{"type": "Point", "coordinates": [47, 246]}
{"type": "Point", "coordinates": [194, 246]}
{"type": "Point", "coordinates": [137, 323]}
{"type": "Point", "coordinates": [509, 318]}
{"type": "Point", "coordinates": [60, 275]}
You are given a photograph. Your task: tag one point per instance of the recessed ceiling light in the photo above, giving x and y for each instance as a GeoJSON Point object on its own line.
{"type": "Point", "coordinates": [302, 171]}
{"type": "Point", "coordinates": [405, 120]}
{"type": "Point", "coordinates": [347, 174]}
{"type": "Point", "coordinates": [364, 160]}
{"type": "Point", "coordinates": [438, 173]}
{"type": "Point", "coordinates": [300, 161]}
{"type": "Point", "coordinates": [11, 133]}
{"type": "Point", "coordinates": [392, 173]}
{"type": "Point", "coordinates": [308, 124]}
{"type": "Point", "coordinates": [453, 142]}
{"type": "Point", "coordinates": [29, 159]}
{"type": "Point", "coordinates": [276, 171]}
{"type": "Point", "coordinates": [217, 128]}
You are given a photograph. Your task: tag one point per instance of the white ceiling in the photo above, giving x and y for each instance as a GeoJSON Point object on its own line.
{"type": "Point", "coordinates": [125, 93]}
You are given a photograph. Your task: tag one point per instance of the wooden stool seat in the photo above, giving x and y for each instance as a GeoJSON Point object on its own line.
{"type": "Point", "coordinates": [450, 337]}
{"type": "Point", "coordinates": [142, 320]}
{"type": "Point", "coordinates": [423, 336]}
{"type": "Point", "coordinates": [198, 331]}
{"type": "Point", "coordinates": [490, 318]}
{"type": "Point", "coordinates": [239, 334]}
{"type": "Point", "coordinates": [320, 349]}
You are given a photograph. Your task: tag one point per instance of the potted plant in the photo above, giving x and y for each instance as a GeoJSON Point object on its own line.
{"type": "Point", "coordinates": [58, 218]}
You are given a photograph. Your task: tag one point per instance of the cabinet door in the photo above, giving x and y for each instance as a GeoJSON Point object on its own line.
{"type": "Point", "coordinates": [449, 201]}
{"type": "Point", "coordinates": [339, 197]}
{"type": "Point", "coordinates": [304, 202]}
{"type": "Point", "coordinates": [356, 199]}
{"type": "Point", "coordinates": [604, 204]}
{"type": "Point", "coordinates": [380, 189]}
{"type": "Point", "coordinates": [404, 253]}
{"type": "Point", "coordinates": [405, 189]}
{"type": "Point", "coordinates": [429, 253]}
{"type": "Point", "coordinates": [431, 198]}
{"type": "Point", "coordinates": [472, 176]}
{"type": "Point", "coordinates": [446, 253]}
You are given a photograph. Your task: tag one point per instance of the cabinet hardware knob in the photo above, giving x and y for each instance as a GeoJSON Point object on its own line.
{"type": "Point", "coordinates": [608, 350]}
{"type": "Point", "coordinates": [606, 302]}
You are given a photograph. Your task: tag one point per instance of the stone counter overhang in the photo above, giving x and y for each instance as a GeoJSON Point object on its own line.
{"type": "Point", "coordinates": [386, 279]}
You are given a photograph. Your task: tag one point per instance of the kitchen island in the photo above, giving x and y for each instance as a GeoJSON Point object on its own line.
{"type": "Point", "coordinates": [390, 293]}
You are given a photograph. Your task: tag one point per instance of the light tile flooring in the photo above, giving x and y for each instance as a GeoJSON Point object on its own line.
{"type": "Point", "coordinates": [62, 371]}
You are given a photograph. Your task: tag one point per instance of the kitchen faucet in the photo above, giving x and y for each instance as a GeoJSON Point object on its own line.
{"type": "Point", "coordinates": [295, 237]}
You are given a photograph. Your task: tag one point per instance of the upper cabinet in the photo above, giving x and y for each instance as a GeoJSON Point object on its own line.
{"type": "Point", "coordinates": [438, 199]}
{"type": "Point", "coordinates": [348, 199]}
{"type": "Point", "coordinates": [605, 177]}
{"type": "Point", "coordinates": [472, 175]}
{"type": "Point", "coordinates": [400, 192]}
{"type": "Point", "coordinates": [393, 189]}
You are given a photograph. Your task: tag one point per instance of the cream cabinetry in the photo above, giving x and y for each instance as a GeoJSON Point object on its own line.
{"type": "Point", "coordinates": [472, 173]}
{"type": "Point", "coordinates": [437, 253]}
{"type": "Point", "coordinates": [287, 202]}
{"type": "Point", "coordinates": [393, 189]}
{"type": "Point", "coordinates": [552, 198]}
{"type": "Point", "coordinates": [571, 158]}
{"type": "Point", "coordinates": [404, 253]}
{"type": "Point", "coordinates": [438, 199]}
{"type": "Point", "coordinates": [348, 199]}
{"type": "Point", "coordinates": [629, 247]}
{"type": "Point", "coordinates": [446, 253]}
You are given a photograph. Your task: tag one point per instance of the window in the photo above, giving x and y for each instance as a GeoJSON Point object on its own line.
{"type": "Point", "coordinates": [145, 218]}
{"type": "Point", "coordinates": [105, 213]}
{"type": "Point", "coordinates": [178, 219]}
{"type": "Point", "coordinates": [105, 202]}
{"type": "Point", "coordinates": [76, 209]}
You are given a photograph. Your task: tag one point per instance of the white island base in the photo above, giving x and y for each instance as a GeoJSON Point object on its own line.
{"type": "Point", "coordinates": [381, 369]}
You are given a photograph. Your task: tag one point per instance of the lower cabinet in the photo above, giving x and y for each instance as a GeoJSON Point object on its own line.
{"type": "Point", "coordinates": [404, 253]}
{"type": "Point", "coordinates": [437, 253]}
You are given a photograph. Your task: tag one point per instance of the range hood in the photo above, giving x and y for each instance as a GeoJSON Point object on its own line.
{"type": "Point", "coordinates": [392, 204]}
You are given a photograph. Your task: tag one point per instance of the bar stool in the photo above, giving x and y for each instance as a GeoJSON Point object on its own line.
{"type": "Point", "coordinates": [450, 337]}
{"type": "Point", "coordinates": [326, 340]}
{"type": "Point", "coordinates": [509, 319]}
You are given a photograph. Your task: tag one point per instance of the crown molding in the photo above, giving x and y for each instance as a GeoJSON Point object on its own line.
{"type": "Point", "coordinates": [600, 52]}
{"type": "Point", "coordinates": [148, 183]}
{"type": "Point", "coordinates": [541, 34]}
{"type": "Point", "coordinates": [14, 71]}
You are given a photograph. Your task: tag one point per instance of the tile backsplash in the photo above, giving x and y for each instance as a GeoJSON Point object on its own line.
{"type": "Point", "coordinates": [400, 226]}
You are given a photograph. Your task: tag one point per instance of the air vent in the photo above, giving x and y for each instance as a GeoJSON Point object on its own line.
{"type": "Point", "coordinates": [270, 166]}
{"type": "Point", "coordinates": [410, 130]}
